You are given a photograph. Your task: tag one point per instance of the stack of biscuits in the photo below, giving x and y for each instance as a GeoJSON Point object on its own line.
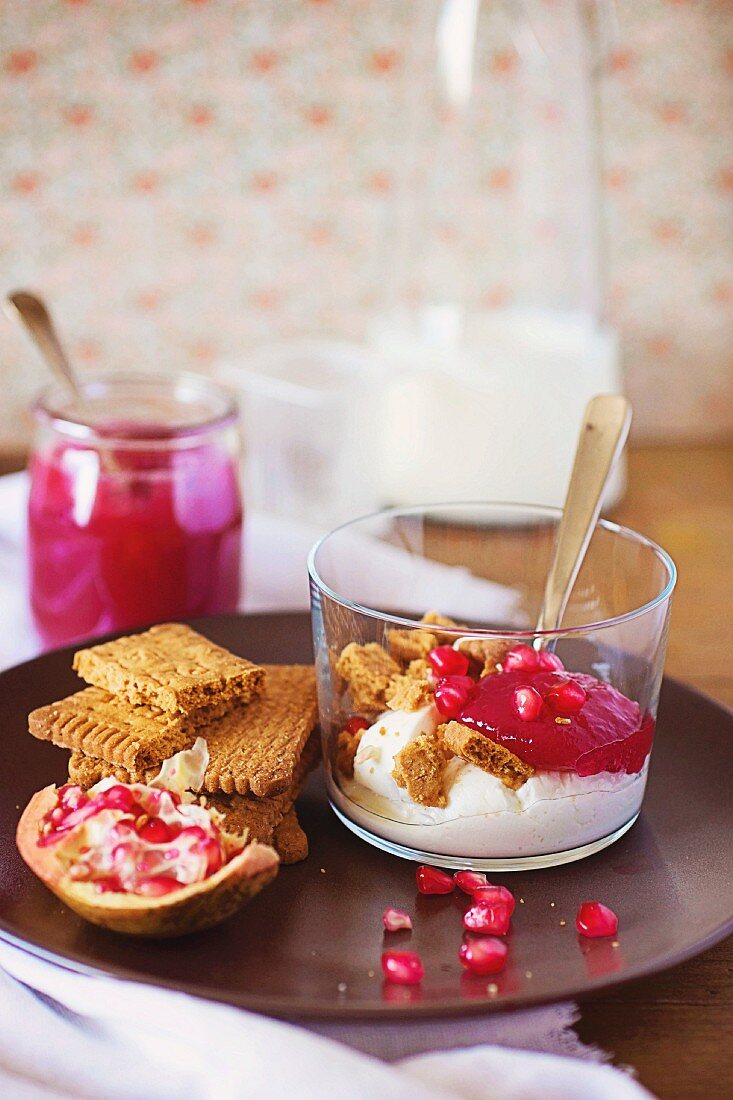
{"type": "Point", "coordinates": [152, 694]}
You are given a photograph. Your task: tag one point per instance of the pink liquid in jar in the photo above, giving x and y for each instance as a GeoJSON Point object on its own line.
{"type": "Point", "coordinates": [128, 535]}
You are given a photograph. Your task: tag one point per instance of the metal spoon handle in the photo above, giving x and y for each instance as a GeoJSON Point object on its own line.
{"type": "Point", "coordinates": [603, 433]}
{"type": "Point", "coordinates": [38, 323]}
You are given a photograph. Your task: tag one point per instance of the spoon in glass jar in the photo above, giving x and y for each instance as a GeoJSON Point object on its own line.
{"type": "Point", "coordinates": [36, 319]}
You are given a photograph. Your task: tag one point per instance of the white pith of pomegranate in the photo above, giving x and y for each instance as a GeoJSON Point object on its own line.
{"type": "Point", "coordinates": [133, 839]}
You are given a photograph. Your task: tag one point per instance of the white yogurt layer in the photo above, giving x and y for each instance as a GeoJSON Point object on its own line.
{"type": "Point", "coordinates": [551, 812]}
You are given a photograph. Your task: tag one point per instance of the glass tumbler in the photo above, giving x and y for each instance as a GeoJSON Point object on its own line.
{"type": "Point", "coordinates": [135, 513]}
{"type": "Point", "coordinates": [453, 732]}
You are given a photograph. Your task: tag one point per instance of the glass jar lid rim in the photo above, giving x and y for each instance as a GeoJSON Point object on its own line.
{"type": "Point", "coordinates": [55, 407]}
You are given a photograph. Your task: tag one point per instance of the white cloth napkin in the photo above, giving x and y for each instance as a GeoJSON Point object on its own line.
{"type": "Point", "coordinates": [118, 1040]}
{"type": "Point", "coordinates": [64, 1034]}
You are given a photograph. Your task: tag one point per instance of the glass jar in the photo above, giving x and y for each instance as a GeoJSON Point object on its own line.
{"type": "Point", "coordinates": [468, 739]}
{"type": "Point", "coordinates": [135, 513]}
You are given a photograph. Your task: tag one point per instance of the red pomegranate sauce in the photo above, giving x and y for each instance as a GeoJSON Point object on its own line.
{"type": "Point", "coordinates": [606, 733]}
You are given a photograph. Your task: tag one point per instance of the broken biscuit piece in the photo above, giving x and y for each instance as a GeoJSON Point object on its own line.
{"type": "Point", "coordinates": [486, 652]}
{"type": "Point", "coordinates": [419, 670]}
{"type": "Point", "coordinates": [346, 745]}
{"type": "Point", "coordinates": [290, 840]}
{"type": "Point", "coordinates": [169, 666]}
{"type": "Point", "coordinates": [406, 693]}
{"type": "Point", "coordinates": [420, 769]}
{"type": "Point", "coordinates": [434, 618]}
{"type": "Point", "coordinates": [410, 645]}
{"type": "Point", "coordinates": [368, 670]}
{"type": "Point", "coordinates": [478, 749]}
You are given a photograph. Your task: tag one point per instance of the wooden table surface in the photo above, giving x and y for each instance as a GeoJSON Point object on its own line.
{"type": "Point", "coordinates": [675, 1029]}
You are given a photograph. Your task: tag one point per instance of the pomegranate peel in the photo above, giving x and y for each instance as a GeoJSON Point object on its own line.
{"type": "Point", "coordinates": [172, 913]}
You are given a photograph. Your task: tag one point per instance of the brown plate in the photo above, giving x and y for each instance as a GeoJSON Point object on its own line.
{"type": "Point", "coordinates": [309, 945]}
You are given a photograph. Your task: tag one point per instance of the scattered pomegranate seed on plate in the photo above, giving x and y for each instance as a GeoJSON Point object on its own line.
{"type": "Point", "coordinates": [468, 881]}
{"type": "Point", "coordinates": [395, 919]}
{"type": "Point", "coordinates": [495, 895]}
{"type": "Point", "coordinates": [595, 919]}
{"type": "Point", "coordinates": [487, 919]}
{"type": "Point", "coordinates": [432, 881]}
{"type": "Point", "coordinates": [484, 956]}
{"type": "Point", "coordinates": [403, 967]}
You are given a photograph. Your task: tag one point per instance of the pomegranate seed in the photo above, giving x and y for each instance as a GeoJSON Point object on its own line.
{"type": "Point", "coordinates": [109, 885]}
{"type": "Point", "coordinates": [71, 797]}
{"type": "Point", "coordinates": [214, 858]}
{"type": "Point", "coordinates": [193, 831]}
{"type": "Point", "coordinates": [495, 895]}
{"type": "Point", "coordinates": [485, 918]}
{"type": "Point", "coordinates": [157, 886]}
{"type": "Point", "coordinates": [595, 919]}
{"type": "Point", "coordinates": [522, 658]}
{"type": "Point", "coordinates": [394, 919]}
{"type": "Point", "coordinates": [116, 798]}
{"type": "Point", "coordinates": [155, 831]}
{"type": "Point", "coordinates": [356, 723]}
{"type": "Point", "coordinates": [566, 698]}
{"type": "Point", "coordinates": [432, 881]}
{"type": "Point", "coordinates": [527, 703]}
{"type": "Point", "coordinates": [403, 967]}
{"type": "Point", "coordinates": [468, 881]}
{"type": "Point", "coordinates": [484, 956]}
{"type": "Point", "coordinates": [447, 661]}
{"type": "Point", "coordinates": [452, 693]}
{"type": "Point", "coordinates": [84, 811]}
{"type": "Point", "coordinates": [549, 662]}
{"type": "Point", "coordinates": [121, 852]}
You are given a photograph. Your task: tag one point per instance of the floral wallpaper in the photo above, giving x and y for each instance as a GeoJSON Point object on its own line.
{"type": "Point", "coordinates": [184, 179]}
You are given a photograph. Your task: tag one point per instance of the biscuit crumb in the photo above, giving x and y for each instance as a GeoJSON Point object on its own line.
{"type": "Point", "coordinates": [486, 652]}
{"type": "Point", "coordinates": [484, 753]}
{"type": "Point", "coordinates": [347, 744]}
{"type": "Point", "coordinates": [404, 693]}
{"type": "Point", "coordinates": [410, 645]}
{"type": "Point", "coordinates": [419, 669]}
{"type": "Point", "coordinates": [368, 670]}
{"type": "Point", "coordinates": [434, 618]}
{"type": "Point", "coordinates": [420, 769]}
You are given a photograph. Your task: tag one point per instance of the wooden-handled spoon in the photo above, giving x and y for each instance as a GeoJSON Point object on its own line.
{"type": "Point", "coordinates": [602, 437]}
{"type": "Point", "coordinates": [36, 319]}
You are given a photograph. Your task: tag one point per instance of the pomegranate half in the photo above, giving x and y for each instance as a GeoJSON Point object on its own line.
{"type": "Point", "coordinates": [188, 909]}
